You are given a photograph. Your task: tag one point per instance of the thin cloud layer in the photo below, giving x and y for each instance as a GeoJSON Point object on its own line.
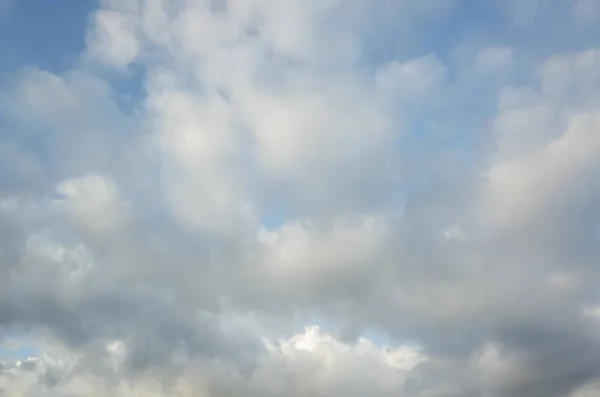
{"type": "Point", "coordinates": [309, 198]}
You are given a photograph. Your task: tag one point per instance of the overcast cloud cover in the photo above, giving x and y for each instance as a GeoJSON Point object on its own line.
{"type": "Point", "coordinates": [222, 198]}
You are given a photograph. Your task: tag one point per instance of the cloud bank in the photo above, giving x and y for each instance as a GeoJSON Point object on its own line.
{"type": "Point", "coordinates": [306, 198]}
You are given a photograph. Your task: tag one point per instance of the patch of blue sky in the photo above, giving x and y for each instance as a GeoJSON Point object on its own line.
{"type": "Point", "coordinates": [278, 206]}
{"type": "Point", "coordinates": [18, 353]}
{"type": "Point", "coordinates": [274, 217]}
{"type": "Point", "coordinates": [466, 22]}
{"type": "Point", "coordinates": [48, 34]}
{"type": "Point", "coordinates": [17, 346]}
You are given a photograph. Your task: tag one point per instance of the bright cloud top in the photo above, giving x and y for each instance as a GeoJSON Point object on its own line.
{"type": "Point", "coordinates": [304, 198]}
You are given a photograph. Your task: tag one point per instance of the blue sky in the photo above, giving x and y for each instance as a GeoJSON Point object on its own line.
{"type": "Point", "coordinates": [48, 34]}
{"type": "Point", "coordinates": [18, 352]}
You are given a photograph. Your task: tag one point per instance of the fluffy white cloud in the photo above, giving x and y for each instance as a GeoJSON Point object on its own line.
{"type": "Point", "coordinates": [115, 41]}
{"type": "Point", "coordinates": [312, 361]}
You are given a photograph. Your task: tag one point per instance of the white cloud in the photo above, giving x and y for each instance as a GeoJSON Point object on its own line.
{"type": "Point", "coordinates": [175, 247]}
{"type": "Point", "coordinates": [114, 40]}
{"type": "Point", "coordinates": [412, 79]}
{"type": "Point", "coordinates": [93, 202]}
{"type": "Point", "coordinates": [548, 148]}
{"type": "Point", "coordinates": [571, 77]}
{"type": "Point", "coordinates": [494, 59]}
{"type": "Point", "coordinates": [307, 258]}
{"type": "Point", "coordinates": [332, 363]}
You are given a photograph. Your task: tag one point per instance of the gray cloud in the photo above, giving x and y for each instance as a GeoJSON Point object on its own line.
{"type": "Point", "coordinates": [142, 250]}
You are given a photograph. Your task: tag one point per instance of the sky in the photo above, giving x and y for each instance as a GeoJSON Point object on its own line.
{"type": "Point", "coordinates": [218, 198]}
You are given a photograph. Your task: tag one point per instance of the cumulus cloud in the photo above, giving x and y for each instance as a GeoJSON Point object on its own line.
{"type": "Point", "coordinates": [285, 205]}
